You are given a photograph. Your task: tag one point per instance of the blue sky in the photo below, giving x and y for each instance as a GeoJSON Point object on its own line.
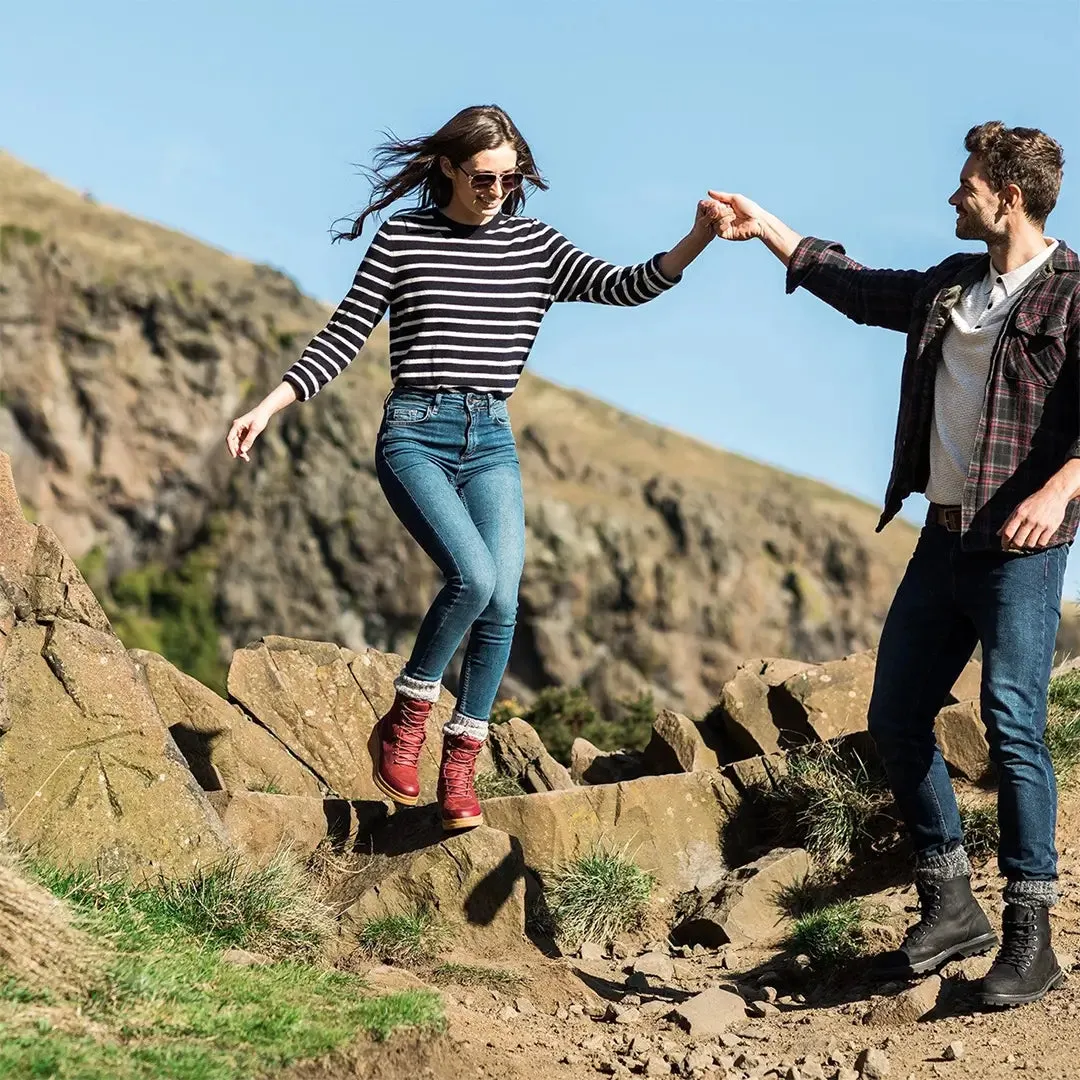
{"type": "Point", "coordinates": [239, 122]}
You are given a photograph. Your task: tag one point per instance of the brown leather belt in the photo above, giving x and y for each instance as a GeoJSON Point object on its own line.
{"type": "Point", "coordinates": [948, 516]}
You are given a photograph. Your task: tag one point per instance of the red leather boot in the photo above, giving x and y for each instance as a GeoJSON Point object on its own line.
{"type": "Point", "coordinates": [399, 738]}
{"type": "Point", "coordinates": [457, 794]}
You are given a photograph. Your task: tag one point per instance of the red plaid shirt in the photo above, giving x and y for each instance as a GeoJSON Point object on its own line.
{"type": "Point", "coordinates": [1030, 423]}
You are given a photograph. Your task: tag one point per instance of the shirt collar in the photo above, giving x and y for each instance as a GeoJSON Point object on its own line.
{"type": "Point", "coordinates": [1014, 280]}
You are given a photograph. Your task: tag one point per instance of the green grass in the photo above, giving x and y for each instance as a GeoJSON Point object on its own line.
{"type": "Point", "coordinates": [408, 938]}
{"type": "Point", "coordinates": [799, 898]}
{"type": "Point", "coordinates": [831, 935]}
{"type": "Point", "coordinates": [597, 897]}
{"type": "Point", "coordinates": [471, 975]}
{"type": "Point", "coordinates": [495, 785]}
{"type": "Point", "coordinates": [831, 803]}
{"type": "Point", "coordinates": [981, 831]}
{"type": "Point", "coordinates": [1063, 727]}
{"type": "Point", "coordinates": [271, 909]}
{"type": "Point", "coordinates": [267, 786]}
{"type": "Point", "coordinates": [168, 1005]}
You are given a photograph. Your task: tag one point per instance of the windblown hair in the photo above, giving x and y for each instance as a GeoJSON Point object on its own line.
{"type": "Point", "coordinates": [403, 166]}
{"type": "Point", "coordinates": [1026, 157]}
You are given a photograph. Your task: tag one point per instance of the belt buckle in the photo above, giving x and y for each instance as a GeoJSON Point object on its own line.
{"type": "Point", "coordinates": [952, 518]}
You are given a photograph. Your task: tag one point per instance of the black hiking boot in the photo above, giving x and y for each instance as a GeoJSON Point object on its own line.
{"type": "Point", "coordinates": [951, 925]}
{"type": "Point", "coordinates": [1026, 968]}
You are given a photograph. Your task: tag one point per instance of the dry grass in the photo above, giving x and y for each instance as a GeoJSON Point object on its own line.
{"type": "Point", "coordinates": [39, 945]}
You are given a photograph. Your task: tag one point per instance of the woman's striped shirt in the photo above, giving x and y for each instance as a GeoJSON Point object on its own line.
{"type": "Point", "coordinates": [465, 301]}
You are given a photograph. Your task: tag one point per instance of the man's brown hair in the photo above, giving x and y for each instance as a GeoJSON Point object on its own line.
{"type": "Point", "coordinates": [1026, 157]}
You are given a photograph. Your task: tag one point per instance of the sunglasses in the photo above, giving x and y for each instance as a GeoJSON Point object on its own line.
{"type": "Point", "coordinates": [481, 181]}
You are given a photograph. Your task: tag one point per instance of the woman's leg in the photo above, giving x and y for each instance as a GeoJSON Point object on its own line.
{"type": "Point", "coordinates": [426, 501]}
{"type": "Point", "coordinates": [495, 504]}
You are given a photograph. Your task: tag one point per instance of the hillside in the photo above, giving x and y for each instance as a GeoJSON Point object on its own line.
{"type": "Point", "coordinates": [655, 562]}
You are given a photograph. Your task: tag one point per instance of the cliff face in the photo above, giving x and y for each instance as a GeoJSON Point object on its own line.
{"type": "Point", "coordinates": [655, 563]}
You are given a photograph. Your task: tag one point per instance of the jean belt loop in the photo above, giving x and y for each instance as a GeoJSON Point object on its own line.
{"type": "Point", "coordinates": [438, 398]}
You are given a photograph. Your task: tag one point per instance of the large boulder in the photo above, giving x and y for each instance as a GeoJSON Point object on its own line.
{"type": "Point", "coordinates": [261, 825]}
{"type": "Point", "coordinates": [519, 752]}
{"type": "Point", "coordinates": [473, 882]}
{"type": "Point", "coordinates": [88, 771]}
{"type": "Point", "coordinates": [961, 737]}
{"type": "Point", "coordinates": [678, 745]}
{"type": "Point", "coordinates": [224, 748]}
{"type": "Point", "coordinates": [670, 825]}
{"type": "Point", "coordinates": [322, 703]}
{"type": "Point", "coordinates": [827, 700]}
{"type": "Point", "coordinates": [748, 908]}
{"type": "Point", "coordinates": [87, 766]}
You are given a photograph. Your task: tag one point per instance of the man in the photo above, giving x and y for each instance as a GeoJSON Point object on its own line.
{"type": "Point", "coordinates": [989, 429]}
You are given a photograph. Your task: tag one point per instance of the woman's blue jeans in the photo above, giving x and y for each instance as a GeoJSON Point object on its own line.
{"type": "Point", "coordinates": [449, 469]}
{"type": "Point", "coordinates": [948, 601]}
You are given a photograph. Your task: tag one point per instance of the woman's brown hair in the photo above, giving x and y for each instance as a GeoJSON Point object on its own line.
{"type": "Point", "coordinates": [403, 166]}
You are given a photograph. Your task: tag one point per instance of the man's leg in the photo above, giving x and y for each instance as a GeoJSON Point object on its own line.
{"type": "Point", "coordinates": [1015, 602]}
{"type": "Point", "coordinates": [925, 643]}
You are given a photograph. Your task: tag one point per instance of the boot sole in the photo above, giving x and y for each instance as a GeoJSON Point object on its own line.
{"type": "Point", "coordinates": [974, 947]}
{"type": "Point", "coordinates": [454, 824]}
{"type": "Point", "coordinates": [1005, 1000]}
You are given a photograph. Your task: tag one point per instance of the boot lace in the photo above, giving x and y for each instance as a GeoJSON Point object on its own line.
{"type": "Point", "coordinates": [929, 911]}
{"type": "Point", "coordinates": [1020, 945]}
{"type": "Point", "coordinates": [458, 771]}
{"type": "Point", "coordinates": [408, 733]}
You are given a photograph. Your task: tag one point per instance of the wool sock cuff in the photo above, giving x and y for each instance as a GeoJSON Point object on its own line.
{"type": "Point", "coordinates": [460, 724]}
{"type": "Point", "coordinates": [952, 864]}
{"type": "Point", "coordinates": [1031, 893]}
{"type": "Point", "coordinates": [417, 689]}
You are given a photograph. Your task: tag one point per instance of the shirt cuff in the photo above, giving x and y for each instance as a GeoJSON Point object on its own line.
{"type": "Point", "coordinates": [668, 282]}
{"type": "Point", "coordinates": [302, 392]}
{"type": "Point", "coordinates": [806, 258]}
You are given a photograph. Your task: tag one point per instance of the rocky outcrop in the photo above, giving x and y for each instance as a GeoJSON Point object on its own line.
{"type": "Point", "coordinates": [670, 825]}
{"type": "Point", "coordinates": [224, 748]}
{"type": "Point", "coordinates": [678, 745]}
{"type": "Point", "coordinates": [656, 563]}
{"type": "Point", "coordinates": [321, 702]}
{"type": "Point", "coordinates": [88, 771]}
{"type": "Point", "coordinates": [748, 908]}
{"type": "Point", "coordinates": [519, 752]}
{"type": "Point", "coordinates": [473, 882]}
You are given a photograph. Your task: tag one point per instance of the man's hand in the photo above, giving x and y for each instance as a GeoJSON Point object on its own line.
{"type": "Point", "coordinates": [741, 219]}
{"type": "Point", "coordinates": [1032, 524]}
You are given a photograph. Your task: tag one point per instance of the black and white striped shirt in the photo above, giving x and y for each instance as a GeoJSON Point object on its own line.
{"type": "Point", "coordinates": [465, 301]}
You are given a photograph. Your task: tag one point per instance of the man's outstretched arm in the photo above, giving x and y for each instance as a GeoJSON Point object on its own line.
{"type": "Point", "coordinates": [873, 297]}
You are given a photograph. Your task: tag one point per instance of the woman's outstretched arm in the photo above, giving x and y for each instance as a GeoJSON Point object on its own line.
{"type": "Point", "coordinates": [581, 277]}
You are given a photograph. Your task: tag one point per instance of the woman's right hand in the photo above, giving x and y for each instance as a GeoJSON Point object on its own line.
{"type": "Point", "coordinates": [245, 430]}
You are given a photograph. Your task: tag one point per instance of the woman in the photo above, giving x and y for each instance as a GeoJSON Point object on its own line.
{"type": "Point", "coordinates": [467, 282]}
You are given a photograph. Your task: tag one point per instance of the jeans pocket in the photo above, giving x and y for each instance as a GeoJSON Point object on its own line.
{"type": "Point", "coordinates": [499, 413]}
{"type": "Point", "coordinates": [404, 413]}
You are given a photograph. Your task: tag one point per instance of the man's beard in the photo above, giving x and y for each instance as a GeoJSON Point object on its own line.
{"type": "Point", "coordinates": [969, 227]}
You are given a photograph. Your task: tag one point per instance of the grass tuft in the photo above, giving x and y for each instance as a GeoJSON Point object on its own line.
{"type": "Point", "coordinates": [597, 897]}
{"type": "Point", "coordinates": [273, 909]}
{"type": "Point", "coordinates": [1063, 727]}
{"type": "Point", "coordinates": [409, 938]}
{"type": "Point", "coordinates": [799, 898]}
{"type": "Point", "coordinates": [981, 830]}
{"type": "Point", "coordinates": [831, 935]}
{"type": "Point", "coordinates": [496, 785]}
{"type": "Point", "coordinates": [831, 802]}
{"type": "Point", "coordinates": [471, 975]}
{"type": "Point", "coordinates": [382, 1016]}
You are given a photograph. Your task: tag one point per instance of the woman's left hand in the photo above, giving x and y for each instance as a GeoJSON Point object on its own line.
{"type": "Point", "coordinates": [709, 211]}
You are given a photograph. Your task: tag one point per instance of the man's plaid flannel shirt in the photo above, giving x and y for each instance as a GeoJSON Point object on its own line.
{"type": "Point", "coordinates": [1030, 422]}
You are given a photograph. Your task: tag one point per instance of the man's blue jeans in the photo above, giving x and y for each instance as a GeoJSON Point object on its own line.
{"type": "Point", "coordinates": [449, 469]}
{"type": "Point", "coordinates": [948, 600]}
